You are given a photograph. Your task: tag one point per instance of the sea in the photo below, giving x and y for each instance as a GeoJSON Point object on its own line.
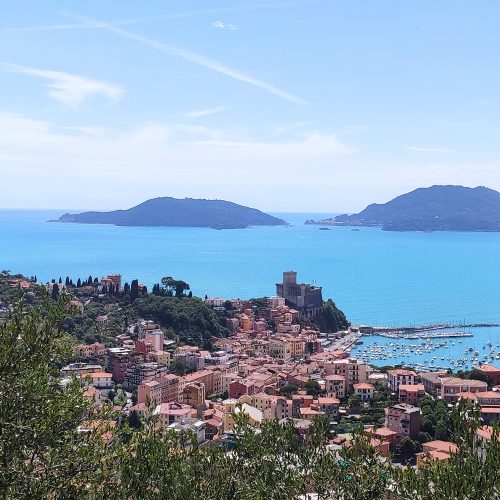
{"type": "Point", "coordinates": [376, 277]}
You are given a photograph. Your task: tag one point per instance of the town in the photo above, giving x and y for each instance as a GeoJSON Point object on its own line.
{"type": "Point", "coordinates": [273, 364]}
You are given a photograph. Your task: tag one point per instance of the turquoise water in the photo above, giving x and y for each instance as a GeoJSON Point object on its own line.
{"type": "Point", "coordinates": [376, 277]}
{"type": "Point", "coordinates": [405, 351]}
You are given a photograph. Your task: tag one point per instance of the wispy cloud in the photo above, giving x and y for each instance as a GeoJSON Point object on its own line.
{"type": "Point", "coordinates": [67, 88]}
{"type": "Point", "coordinates": [419, 149]}
{"type": "Point", "coordinates": [221, 25]}
{"type": "Point", "coordinates": [173, 15]}
{"type": "Point", "coordinates": [205, 112]}
{"type": "Point", "coordinates": [193, 57]}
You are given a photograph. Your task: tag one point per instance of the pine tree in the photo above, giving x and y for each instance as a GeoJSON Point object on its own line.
{"type": "Point", "coordinates": [55, 291]}
{"type": "Point", "coordinates": [134, 290]}
{"type": "Point", "coordinates": [79, 283]}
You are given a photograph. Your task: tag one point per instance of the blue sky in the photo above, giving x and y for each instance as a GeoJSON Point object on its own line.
{"type": "Point", "coordinates": [281, 105]}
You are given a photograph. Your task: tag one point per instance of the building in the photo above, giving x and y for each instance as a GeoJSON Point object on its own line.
{"type": "Point", "coordinates": [353, 371]}
{"type": "Point", "coordinates": [138, 373]}
{"type": "Point", "coordinates": [168, 413]}
{"type": "Point", "coordinates": [364, 391]}
{"type": "Point", "coordinates": [411, 394]}
{"type": "Point", "coordinates": [192, 426]}
{"type": "Point", "coordinates": [239, 387]}
{"type": "Point", "coordinates": [432, 381]}
{"type": "Point", "coordinates": [452, 386]}
{"type": "Point", "coordinates": [308, 299]}
{"type": "Point", "coordinates": [114, 280]}
{"type": "Point", "coordinates": [329, 406]}
{"type": "Point", "coordinates": [436, 450]}
{"type": "Point", "coordinates": [335, 386]}
{"type": "Point", "coordinates": [193, 394]}
{"type": "Point", "coordinates": [400, 376]}
{"type": "Point", "coordinates": [117, 360]}
{"type": "Point", "coordinates": [484, 435]}
{"type": "Point", "coordinates": [490, 414]}
{"type": "Point", "coordinates": [161, 390]}
{"type": "Point", "coordinates": [90, 350]}
{"type": "Point", "coordinates": [101, 380]}
{"type": "Point", "coordinates": [491, 372]}
{"type": "Point", "coordinates": [404, 420]}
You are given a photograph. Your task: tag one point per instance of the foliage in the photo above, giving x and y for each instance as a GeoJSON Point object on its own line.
{"type": "Point", "coordinates": [192, 320]}
{"type": "Point", "coordinates": [288, 390]}
{"type": "Point", "coordinates": [331, 318]}
{"type": "Point", "coordinates": [312, 388]}
{"type": "Point", "coordinates": [45, 454]}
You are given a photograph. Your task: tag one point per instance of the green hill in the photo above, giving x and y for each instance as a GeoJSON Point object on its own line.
{"type": "Point", "coordinates": [437, 208]}
{"type": "Point", "coordinates": [188, 212]}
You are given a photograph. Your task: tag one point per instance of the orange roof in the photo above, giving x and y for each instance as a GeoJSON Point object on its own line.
{"type": "Point", "coordinates": [468, 395]}
{"type": "Point", "coordinates": [488, 368]}
{"type": "Point", "coordinates": [384, 431]}
{"type": "Point", "coordinates": [401, 371]}
{"type": "Point", "coordinates": [100, 375]}
{"type": "Point", "coordinates": [363, 385]}
{"type": "Point", "coordinates": [442, 446]}
{"type": "Point", "coordinates": [435, 455]}
{"type": "Point", "coordinates": [329, 401]}
{"type": "Point", "coordinates": [412, 387]}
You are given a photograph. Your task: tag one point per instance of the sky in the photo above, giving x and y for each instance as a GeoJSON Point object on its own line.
{"type": "Point", "coordinates": [303, 106]}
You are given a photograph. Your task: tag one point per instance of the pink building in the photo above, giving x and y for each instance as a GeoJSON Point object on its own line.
{"type": "Point", "coordinates": [239, 387]}
{"type": "Point", "coordinates": [169, 413]}
{"type": "Point", "coordinates": [404, 420]}
{"type": "Point", "coordinates": [400, 377]}
{"type": "Point", "coordinates": [411, 394]}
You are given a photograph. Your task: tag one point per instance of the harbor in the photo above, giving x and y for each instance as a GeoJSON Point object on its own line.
{"type": "Point", "coordinates": [430, 349]}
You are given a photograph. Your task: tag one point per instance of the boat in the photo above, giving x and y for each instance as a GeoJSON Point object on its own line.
{"type": "Point", "coordinates": [324, 229]}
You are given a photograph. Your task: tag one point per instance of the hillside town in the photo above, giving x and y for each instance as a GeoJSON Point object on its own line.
{"type": "Point", "coordinates": [274, 366]}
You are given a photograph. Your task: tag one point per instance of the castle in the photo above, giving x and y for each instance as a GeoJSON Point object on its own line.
{"type": "Point", "coordinates": [306, 298]}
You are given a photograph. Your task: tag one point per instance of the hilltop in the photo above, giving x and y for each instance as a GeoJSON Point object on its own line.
{"type": "Point", "coordinates": [437, 208]}
{"type": "Point", "coordinates": [187, 212]}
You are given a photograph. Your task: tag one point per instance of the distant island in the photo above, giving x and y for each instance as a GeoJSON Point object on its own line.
{"type": "Point", "coordinates": [187, 212]}
{"type": "Point", "coordinates": [437, 208]}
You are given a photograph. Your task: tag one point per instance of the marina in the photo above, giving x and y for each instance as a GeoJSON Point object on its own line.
{"type": "Point", "coordinates": [431, 350]}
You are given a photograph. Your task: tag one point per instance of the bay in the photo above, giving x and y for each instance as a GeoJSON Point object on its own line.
{"type": "Point", "coordinates": [375, 277]}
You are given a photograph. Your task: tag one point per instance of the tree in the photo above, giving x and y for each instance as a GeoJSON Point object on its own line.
{"type": "Point", "coordinates": [126, 287]}
{"type": "Point", "coordinates": [178, 286]}
{"type": "Point", "coordinates": [78, 283]}
{"type": "Point", "coordinates": [441, 430]}
{"type": "Point", "coordinates": [55, 291]}
{"type": "Point", "coordinates": [312, 388]}
{"type": "Point", "coordinates": [60, 280]}
{"type": "Point", "coordinates": [133, 420]}
{"type": "Point", "coordinates": [134, 290]}
{"type": "Point", "coordinates": [67, 281]}
{"type": "Point", "coordinates": [90, 281]}
{"type": "Point", "coordinates": [407, 448]}
{"type": "Point", "coordinates": [353, 401]}
{"type": "Point", "coordinates": [41, 453]}
{"type": "Point", "coordinates": [478, 375]}
{"type": "Point", "coordinates": [288, 390]}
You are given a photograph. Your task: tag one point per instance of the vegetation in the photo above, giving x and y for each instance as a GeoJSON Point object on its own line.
{"type": "Point", "coordinates": [54, 446]}
{"type": "Point", "coordinates": [188, 212]}
{"type": "Point", "coordinates": [437, 208]}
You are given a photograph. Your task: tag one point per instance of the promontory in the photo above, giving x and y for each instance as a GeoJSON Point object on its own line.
{"type": "Point", "coordinates": [187, 212]}
{"type": "Point", "coordinates": [436, 208]}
